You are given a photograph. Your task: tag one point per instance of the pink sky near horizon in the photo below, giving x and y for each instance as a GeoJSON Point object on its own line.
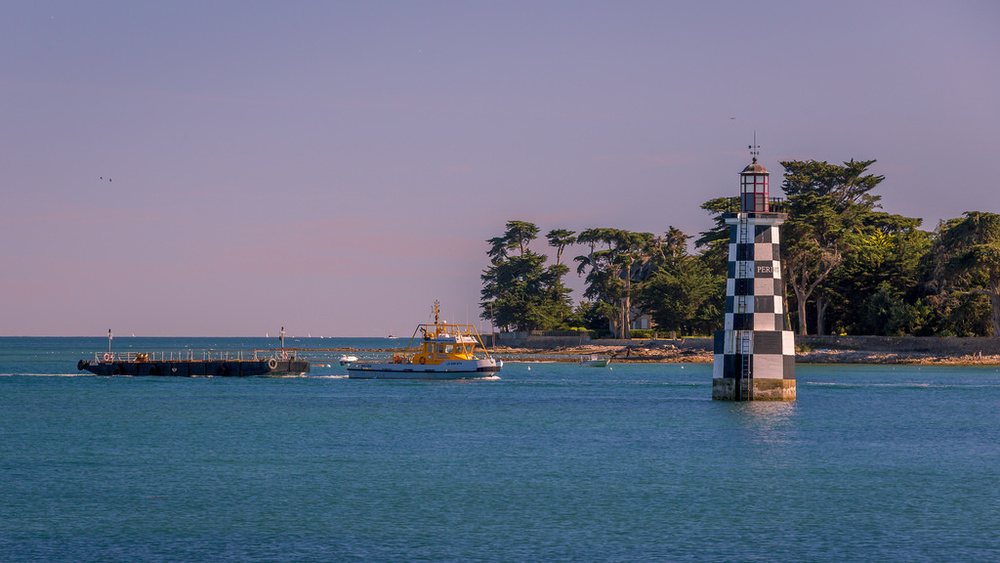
{"type": "Point", "coordinates": [336, 167]}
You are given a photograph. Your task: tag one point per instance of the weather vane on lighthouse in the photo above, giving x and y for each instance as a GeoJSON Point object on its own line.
{"type": "Point", "coordinates": [754, 148]}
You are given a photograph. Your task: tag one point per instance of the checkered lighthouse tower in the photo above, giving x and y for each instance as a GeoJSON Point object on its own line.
{"type": "Point", "coordinates": [755, 353]}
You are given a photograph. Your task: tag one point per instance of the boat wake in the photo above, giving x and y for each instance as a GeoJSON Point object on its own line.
{"type": "Point", "coordinates": [46, 374]}
{"type": "Point", "coordinates": [899, 385]}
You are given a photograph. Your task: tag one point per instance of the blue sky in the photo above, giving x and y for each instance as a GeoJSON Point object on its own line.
{"type": "Point", "coordinates": [226, 168]}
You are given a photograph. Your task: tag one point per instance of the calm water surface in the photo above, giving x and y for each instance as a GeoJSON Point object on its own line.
{"type": "Point", "coordinates": [549, 462]}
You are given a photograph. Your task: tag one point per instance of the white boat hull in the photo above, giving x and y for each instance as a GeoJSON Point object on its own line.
{"type": "Point", "coordinates": [452, 369]}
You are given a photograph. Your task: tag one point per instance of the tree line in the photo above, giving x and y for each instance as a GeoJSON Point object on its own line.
{"type": "Point", "coordinates": [848, 267]}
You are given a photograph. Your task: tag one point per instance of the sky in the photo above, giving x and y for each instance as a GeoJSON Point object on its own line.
{"type": "Point", "coordinates": [226, 168]}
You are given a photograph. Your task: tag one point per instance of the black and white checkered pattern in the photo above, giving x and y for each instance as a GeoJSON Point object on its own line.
{"type": "Point", "coordinates": [756, 331]}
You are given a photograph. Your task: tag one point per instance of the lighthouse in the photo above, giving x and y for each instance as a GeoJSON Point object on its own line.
{"type": "Point", "coordinates": [755, 352]}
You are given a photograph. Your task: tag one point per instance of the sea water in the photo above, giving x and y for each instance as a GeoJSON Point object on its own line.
{"type": "Point", "coordinates": [547, 462]}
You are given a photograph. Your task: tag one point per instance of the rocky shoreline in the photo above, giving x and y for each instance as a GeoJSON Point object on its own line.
{"type": "Point", "coordinates": [672, 354]}
{"type": "Point", "coordinates": [658, 352]}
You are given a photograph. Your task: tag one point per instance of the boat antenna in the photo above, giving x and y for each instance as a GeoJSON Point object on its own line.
{"type": "Point", "coordinates": [437, 310]}
{"type": "Point", "coordinates": [110, 336]}
{"type": "Point", "coordinates": [281, 338]}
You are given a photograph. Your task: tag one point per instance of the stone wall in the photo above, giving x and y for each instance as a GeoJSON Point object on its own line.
{"type": "Point", "coordinates": [681, 343]}
{"type": "Point", "coordinates": [924, 344]}
{"type": "Point", "coordinates": [537, 342]}
{"type": "Point", "coordinates": [528, 340]}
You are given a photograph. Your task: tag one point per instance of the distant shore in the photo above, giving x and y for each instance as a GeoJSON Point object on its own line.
{"type": "Point", "coordinates": [812, 349]}
{"type": "Point", "coordinates": [672, 354]}
{"type": "Point", "coordinates": [641, 354]}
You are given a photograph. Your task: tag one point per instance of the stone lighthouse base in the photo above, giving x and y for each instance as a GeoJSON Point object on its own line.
{"type": "Point", "coordinates": [754, 365]}
{"type": "Point", "coordinates": [724, 389]}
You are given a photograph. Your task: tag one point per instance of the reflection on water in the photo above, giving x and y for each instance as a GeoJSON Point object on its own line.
{"type": "Point", "coordinates": [765, 422]}
{"type": "Point", "coordinates": [769, 414]}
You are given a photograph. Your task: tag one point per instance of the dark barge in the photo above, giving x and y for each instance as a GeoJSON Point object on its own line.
{"type": "Point", "coordinates": [221, 365]}
{"type": "Point", "coordinates": [206, 363]}
{"type": "Point", "coordinates": [209, 364]}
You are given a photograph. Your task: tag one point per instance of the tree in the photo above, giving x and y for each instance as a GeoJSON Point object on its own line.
{"type": "Point", "coordinates": [715, 241]}
{"type": "Point", "coordinates": [518, 235]}
{"type": "Point", "coordinates": [885, 261]}
{"type": "Point", "coordinates": [560, 239]}
{"type": "Point", "coordinates": [886, 313]}
{"type": "Point", "coordinates": [825, 203]}
{"type": "Point", "coordinates": [967, 259]}
{"type": "Point", "coordinates": [960, 314]}
{"type": "Point", "coordinates": [685, 295]}
{"type": "Point", "coordinates": [593, 315]}
{"type": "Point", "coordinates": [519, 291]}
{"type": "Point", "coordinates": [615, 272]}
{"type": "Point", "coordinates": [672, 245]}
{"type": "Point", "coordinates": [718, 207]}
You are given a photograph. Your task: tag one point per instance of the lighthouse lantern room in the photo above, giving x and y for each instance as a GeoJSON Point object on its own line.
{"type": "Point", "coordinates": [754, 196]}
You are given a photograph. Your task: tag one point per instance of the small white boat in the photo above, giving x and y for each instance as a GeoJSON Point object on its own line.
{"type": "Point", "coordinates": [445, 351]}
{"type": "Point", "coordinates": [344, 360]}
{"type": "Point", "coordinates": [595, 361]}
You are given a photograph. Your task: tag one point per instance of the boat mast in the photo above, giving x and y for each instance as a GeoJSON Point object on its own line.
{"type": "Point", "coordinates": [109, 341]}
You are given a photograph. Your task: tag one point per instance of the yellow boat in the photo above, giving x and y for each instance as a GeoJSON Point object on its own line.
{"type": "Point", "coordinates": [444, 351]}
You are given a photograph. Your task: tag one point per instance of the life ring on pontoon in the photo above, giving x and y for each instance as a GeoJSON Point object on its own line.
{"type": "Point", "coordinates": [107, 357]}
{"type": "Point", "coordinates": [423, 360]}
{"type": "Point", "coordinates": [272, 363]}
